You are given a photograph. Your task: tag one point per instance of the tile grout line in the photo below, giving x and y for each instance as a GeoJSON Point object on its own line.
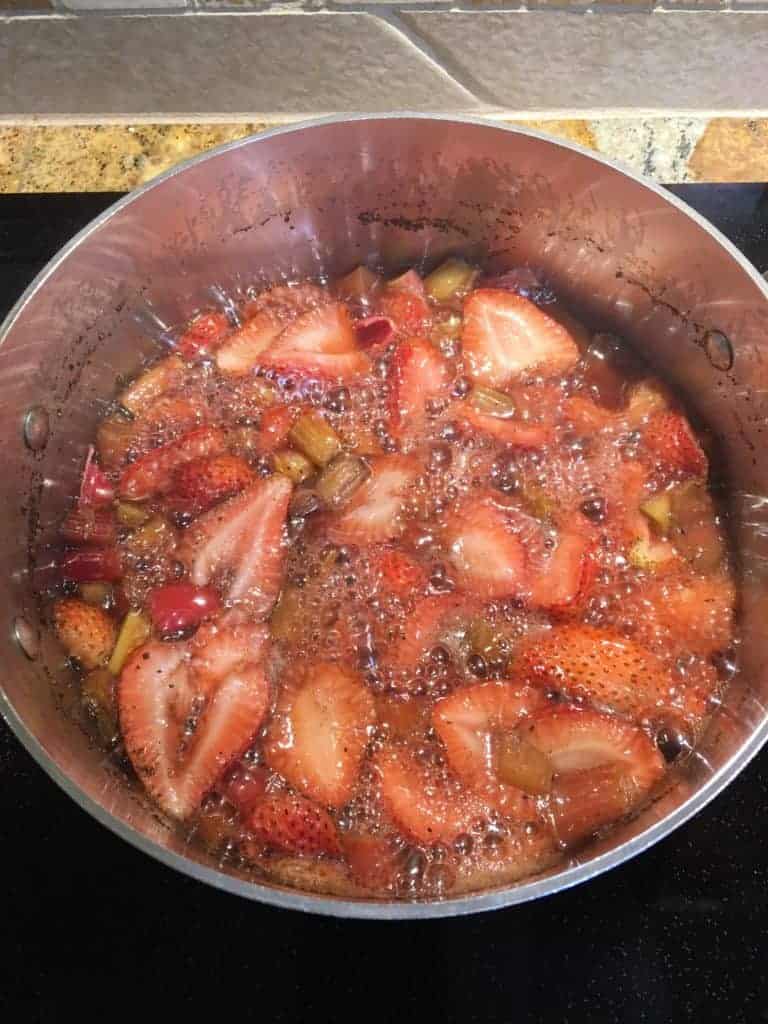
{"type": "Point", "coordinates": [277, 8]}
{"type": "Point", "coordinates": [282, 119]}
{"type": "Point", "coordinates": [474, 90]}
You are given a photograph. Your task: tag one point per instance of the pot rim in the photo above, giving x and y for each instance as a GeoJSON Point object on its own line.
{"type": "Point", "coordinates": [370, 909]}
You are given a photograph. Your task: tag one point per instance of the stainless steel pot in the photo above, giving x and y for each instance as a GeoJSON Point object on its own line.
{"type": "Point", "coordinates": [319, 198]}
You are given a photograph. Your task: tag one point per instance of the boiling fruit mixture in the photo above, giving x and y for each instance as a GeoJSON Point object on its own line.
{"type": "Point", "coordinates": [396, 588]}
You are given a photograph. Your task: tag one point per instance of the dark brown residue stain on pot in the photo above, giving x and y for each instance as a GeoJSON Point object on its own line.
{"type": "Point", "coordinates": [32, 512]}
{"type": "Point", "coordinates": [367, 217]}
{"type": "Point", "coordinates": [714, 344]}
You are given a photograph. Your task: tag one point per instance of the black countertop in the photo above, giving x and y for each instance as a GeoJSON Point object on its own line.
{"type": "Point", "coordinates": [93, 928]}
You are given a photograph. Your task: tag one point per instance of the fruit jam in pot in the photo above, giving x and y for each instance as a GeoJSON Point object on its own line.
{"type": "Point", "coordinates": [396, 587]}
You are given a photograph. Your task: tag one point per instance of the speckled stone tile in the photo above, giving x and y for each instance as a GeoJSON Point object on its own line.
{"type": "Point", "coordinates": [572, 131]}
{"type": "Point", "coordinates": [93, 158]}
{"type": "Point", "coordinates": [659, 147]}
{"type": "Point", "coordinates": [105, 158]}
{"type": "Point", "coordinates": [13, 143]}
{"type": "Point", "coordinates": [731, 149]}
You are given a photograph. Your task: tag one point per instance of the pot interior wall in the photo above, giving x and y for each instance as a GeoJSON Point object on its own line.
{"type": "Point", "coordinates": [389, 192]}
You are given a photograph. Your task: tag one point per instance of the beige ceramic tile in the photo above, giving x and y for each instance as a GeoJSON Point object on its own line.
{"type": "Point", "coordinates": [731, 150]}
{"type": "Point", "coordinates": [606, 63]}
{"type": "Point", "coordinates": [20, 6]}
{"type": "Point", "coordinates": [248, 66]}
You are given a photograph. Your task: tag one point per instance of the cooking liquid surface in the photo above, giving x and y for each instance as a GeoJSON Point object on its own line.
{"type": "Point", "coordinates": [397, 588]}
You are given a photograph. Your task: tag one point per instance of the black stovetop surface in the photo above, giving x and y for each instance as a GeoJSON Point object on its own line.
{"type": "Point", "coordinates": [90, 924]}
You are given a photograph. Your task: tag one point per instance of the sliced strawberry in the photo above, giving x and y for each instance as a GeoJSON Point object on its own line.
{"type": "Point", "coordinates": [154, 473]}
{"type": "Point", "coordinates": [404, 302]}
{"type": "Point", "coordinates": [374, 331]}
{"type": "Point", "coordinates": [606, 766]}
{"type": "Point", "coordinates": [467, 722]}
{"type": "Point", "coordinates": [320, 342]}
{"type": "Point", "coordinates": [245, 348]}
{"type": "Point", "coordinates": [288, 300]}
{"type": "Point", "coordinates": [518, 432]}
{"type": "Point", "coordinates": [647, 552]}
{"type": "Point", "coordinates": [163, 420]}
{"type": "Point", "coordinates": [319, 732]}
{"type": "Point", "coordinates": [562, 582]}
{"type": "Point", "coordinates": [245, 786]}
{"type": "Point", "coordinates": [375, 513]}
{"type": "Point", "coordinates": [218, 648]}
{"type": "Point", "coordinates": [202, 483]}
{"type": "Point", "coordinates": [274, 426]}
{"type": "Point", "coordinates": [418, 374]}
{"type": "Point", "coordinates": [203, 336]}
{"type": "Point", "coordinates": [155, 696]}
{"type": "Point", "coordinates": [625, 486]}
{"type": "Point", "coordinates": [671, 442]}
{"type": "Point", "coordinates": [583, 802]}
{"type": "Point", "coordinates": [428, 808]}
{"type": "Point", "coordinates": [645, 399]}
{"type": "Point", "coordinates": [245, 539]}
{"type": "Point", "coordinates": [372, 860]}
{"type": "Point", "coordinates": [488, 557]}
{"type": "Point", "coordinates": [151, 732]}
{"type": "Point", "coordinates": [410, 313]}
{"type": "Point", "coordinates": [537, 409]}
{"type": "Point", "coordinates": [231, 719]}
{"type": "Point", "coordinates": [575, 739]}
{"type": "Point", "coordinates": [294, 824]}
{"type": "Point", "coordinates": [700, 612]}
{"type": "Point", "coordinates": [586, 415]}
{"type": "Point", "coordinates": [694, 612]}
{"type": "Point", "coordinates": [604, 667]}
{"type": "Point", "coordinates": [422, 630]}
{"type": "Point", "coordinates": [506, 337]}
{"type": "Point", "coordinates": [168, 417]}
{"type": "Point", "coordinates": [400, 574]}
{"type": "Point", "coordinates": [87, 632]}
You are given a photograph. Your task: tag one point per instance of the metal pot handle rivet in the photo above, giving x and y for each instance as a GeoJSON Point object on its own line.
{"type": "Point", "coordinates": [37, 428]}
{"type": "Point", "coordinates": [26, 636]}
{"type": "Point", "coordinates": [718, 349]}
